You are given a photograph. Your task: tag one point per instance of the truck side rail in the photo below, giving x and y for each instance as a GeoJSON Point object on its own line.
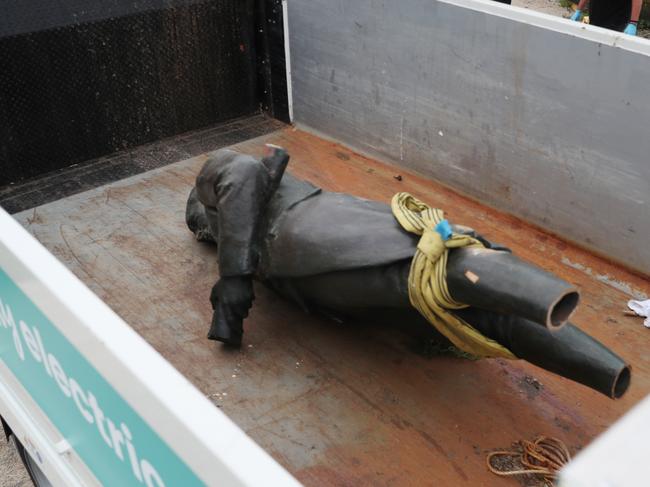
{"type": "Point", "coordinates": [91, 401]}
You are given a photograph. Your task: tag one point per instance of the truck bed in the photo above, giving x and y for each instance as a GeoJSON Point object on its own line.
{"type": "Point", "coordinates": [342, 404]}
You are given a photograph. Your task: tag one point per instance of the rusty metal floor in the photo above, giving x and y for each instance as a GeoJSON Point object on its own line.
{"type": "Point", "coordinates": [341, 404]}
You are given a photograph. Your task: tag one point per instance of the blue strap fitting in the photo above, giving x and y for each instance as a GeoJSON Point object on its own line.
{"type": "Point", "coordinates": [444, 229]}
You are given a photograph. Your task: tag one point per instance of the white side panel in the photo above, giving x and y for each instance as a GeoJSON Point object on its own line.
{"type": "Point", "coordinates": [209, 443]}
{"type": "Point", "coordinates": [618, 458]}
{"type": "Point", "coordinates": [287, 57]}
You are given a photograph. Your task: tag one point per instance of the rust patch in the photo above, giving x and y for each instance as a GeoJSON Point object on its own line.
{"type": "Point", "coordinates": [531, 386]}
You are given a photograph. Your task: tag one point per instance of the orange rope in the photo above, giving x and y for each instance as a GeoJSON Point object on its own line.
{"type": "Point", "coordinates": [544, 456]}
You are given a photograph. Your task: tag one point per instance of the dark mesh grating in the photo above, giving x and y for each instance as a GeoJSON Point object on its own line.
{"type": "Point", "coordinates": [78, 90]}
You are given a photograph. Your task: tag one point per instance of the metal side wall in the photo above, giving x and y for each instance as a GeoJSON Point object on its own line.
{"type": "Point", "coordinates": [541, 117]}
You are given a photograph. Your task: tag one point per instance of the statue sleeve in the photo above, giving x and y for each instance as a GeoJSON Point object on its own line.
{"type": "Point", "coordinates": [240, 190]}
{"type": "Point", "coordinates": [235, 190]}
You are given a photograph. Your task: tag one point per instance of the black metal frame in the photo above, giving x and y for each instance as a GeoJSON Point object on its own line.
{"type": "Point", "coordinates": [80, 89]}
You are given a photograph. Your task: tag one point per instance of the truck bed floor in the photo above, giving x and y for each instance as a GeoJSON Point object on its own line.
{"type": "Point", "coordinates": [337, 404]}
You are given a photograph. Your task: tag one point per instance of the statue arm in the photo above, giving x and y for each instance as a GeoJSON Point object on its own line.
{"type": "Point", "coordinates": [235, 190]}
{"type": "Point", "coordinates": [240, 192]}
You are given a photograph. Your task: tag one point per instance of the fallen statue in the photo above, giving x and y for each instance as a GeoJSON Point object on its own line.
{"type": "Point", "coordinates": [348, 256]}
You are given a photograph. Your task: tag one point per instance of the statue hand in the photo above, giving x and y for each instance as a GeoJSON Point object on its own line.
{"type": "Point", "coordinates": [234, 293]}
{"type": "Point", "coordinates": [231, 298]}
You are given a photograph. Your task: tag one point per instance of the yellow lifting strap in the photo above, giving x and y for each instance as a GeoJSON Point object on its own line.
{"type": "Point", "coordinates": [428, 277]}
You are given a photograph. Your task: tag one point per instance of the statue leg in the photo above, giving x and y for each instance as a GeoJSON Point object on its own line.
{"type": "Point", "coordinates": [381, 293]}
{"type": "Point", "coordinates": [568, 351]}
{"type": "Point", "coordinates": [377, 295]}
{"type": "Point", "coordinates": [350, 291]}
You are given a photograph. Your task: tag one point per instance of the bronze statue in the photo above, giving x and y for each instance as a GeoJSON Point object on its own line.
{"type": "Point", "coordinates": [348, 256]}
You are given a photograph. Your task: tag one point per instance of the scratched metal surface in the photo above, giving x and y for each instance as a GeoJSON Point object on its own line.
{"type": "Point", "coordinates": [341, 404]}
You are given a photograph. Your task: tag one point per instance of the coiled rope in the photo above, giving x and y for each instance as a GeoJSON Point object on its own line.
{"type": "Point", "coordinates": [428, 291]}
{"type": "Point", "coordinates": [544, 456]}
